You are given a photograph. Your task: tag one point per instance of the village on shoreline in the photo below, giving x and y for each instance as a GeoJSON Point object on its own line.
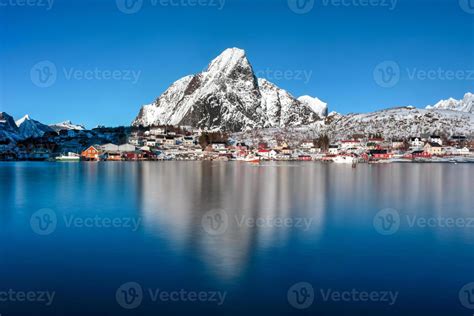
{"type": "Point", "coordinates": [164, 143]}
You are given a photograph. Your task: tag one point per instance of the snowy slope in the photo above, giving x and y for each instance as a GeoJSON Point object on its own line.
{"type": "Point", "coordinates": [317, 106]}
{"type": "Point", "coordinates": [402, 123]}
{"type": "Point", "coordinates": [281, 109]}
{"type": "Point", "coordinates": [30, 128]}
{"type": "Point", "coordinates": [226, 96]}
{"type": "Point", "coordinates": [66, 125]}
{"type": "Point", "coordinates": [464, 105]}
{"type": "Point", "coordinates": [395, 123]}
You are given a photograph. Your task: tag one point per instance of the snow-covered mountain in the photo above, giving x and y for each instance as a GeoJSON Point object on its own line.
{"type": "Point", "coordinates": [8, 129]}
{"type": "Point", "coordinates": [66, 125]}
{"type": "Point", "coordinates": [318, 106]}
{"type": "Point", "coordinates": [227, 96]}
{"type": "Point", "coordinates": [402, 122]}
{"type": "Point", "coordinates": [31, 128]}
{"type": "Point", "coordinates": [464, 105]}
{"type": "Point", "coordinates": [394, 123]}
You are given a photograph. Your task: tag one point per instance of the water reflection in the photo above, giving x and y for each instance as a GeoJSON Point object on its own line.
{"type": "Point", "coordinates": [172, 197]}
{"type": "Point", "coordinates": [175, 196]}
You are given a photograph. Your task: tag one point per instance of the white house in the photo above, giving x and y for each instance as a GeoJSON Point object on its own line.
{"type": "Point", "coordinates": [157, 131]}
{"type": "Point", "coordinates": [307, 144]}
{"type": "Point", "coordinates": [188, 141]}
{"type": "Point", "coordinates": [266, 153]}
{"type": "Point", "coordinates": [151, 142]}
{"type": "Point", "coordinates": [463, 151]}
{"type": "Point", "coordinates": [333, 149]}
{"type": "Point", "coordinates": [170, 141]}
{"type": "Point", "coordinates": [436, 139]}
{"type": "Point", "coordinates": [416, 142]}
{"type": "Point", "coordinates": [349, 144]}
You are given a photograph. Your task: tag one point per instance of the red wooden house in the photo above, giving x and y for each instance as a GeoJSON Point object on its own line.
{"type": "Point", "coordinates": [304, 158]}
{"type": "Point", "coordinates": [380, 154]}
{"type": "Point", "coordinates": [90, 153]}
{"type": "Point", "coordinates": [134, 155]}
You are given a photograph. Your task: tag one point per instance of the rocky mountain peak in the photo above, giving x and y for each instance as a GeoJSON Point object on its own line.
{"type": "Point", "coordinates": [7, 122]}
{"type": "Point", "coordinates": [229, 60]}
{"type": "Point", "coordinates": [24, 118]}
{"type": "Point", "coordinates": [464, 105]}
{"type": "Point", "coordinates": [226, 96]}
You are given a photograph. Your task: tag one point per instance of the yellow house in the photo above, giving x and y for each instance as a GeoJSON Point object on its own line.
{"type": "Point", "coordinates": [433, 149]}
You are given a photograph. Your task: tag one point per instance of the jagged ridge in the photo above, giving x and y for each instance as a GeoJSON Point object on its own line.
{"type": "Point", "coordinates": [227, 96]}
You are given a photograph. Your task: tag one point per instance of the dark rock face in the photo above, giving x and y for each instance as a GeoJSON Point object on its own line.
{"type": "Point", "coordinates": [7, 123]}
{"type": "Point", "coordinates": [8, 129]}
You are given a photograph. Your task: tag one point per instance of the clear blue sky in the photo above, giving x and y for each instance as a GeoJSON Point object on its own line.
{"type": "Point", "coordinates": [329, 52]}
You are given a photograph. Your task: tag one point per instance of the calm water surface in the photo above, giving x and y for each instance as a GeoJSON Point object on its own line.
{"type": "Point", "coordinates": [249, 232]}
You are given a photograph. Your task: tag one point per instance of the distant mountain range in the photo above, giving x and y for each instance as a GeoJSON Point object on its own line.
{"type": "Point", "coordinates": [399, 123]}
{"type": "Point", "coordinates": [67, 125]}
{"type": "Point", "coordinates": [26, 127]}
{"type": "Point", "coordinates": [227, 96]}
{"type": "Point", "coordinates": [464, 105]}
